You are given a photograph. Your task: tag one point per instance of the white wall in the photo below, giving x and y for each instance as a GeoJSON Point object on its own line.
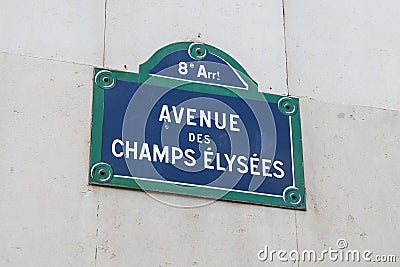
{"type": "Point", "coordinates": [342, 60]}
{"type": "Point", "coordinates": [344, 51]}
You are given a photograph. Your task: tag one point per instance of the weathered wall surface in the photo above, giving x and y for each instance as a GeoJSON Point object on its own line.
{"type": "Point", "coordinates": [342, 58]}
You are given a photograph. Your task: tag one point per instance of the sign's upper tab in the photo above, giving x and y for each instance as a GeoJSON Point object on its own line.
{"type": "Point", "coordinates": [200, 63]}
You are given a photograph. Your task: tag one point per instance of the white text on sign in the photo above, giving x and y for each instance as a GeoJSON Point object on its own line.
{"type": "Point", "coordinates": [183, 69]}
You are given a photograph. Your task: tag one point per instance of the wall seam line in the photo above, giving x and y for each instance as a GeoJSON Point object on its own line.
{"type": "Point", "coordinates": [97, 228]}
{"type": "Point", "coordinates": [49, 59]}
{"type": "Point", "coordinates": [104, 32]}
{"type": "Point", "coordinates": [297, 236]}
{"type": "Point", "coordinates": [284, 45]}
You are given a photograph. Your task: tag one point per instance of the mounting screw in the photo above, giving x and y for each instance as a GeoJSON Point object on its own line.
{"type": "Point", "coordinates": [105, 79]}
{"type": "Point", "coordinates": [197, 51]}
{"type": "Point", "coordinates": [102, 172]}
{"type": "Point", "coordinates": [287, 106]}
{"type": "Point", "coordinates": [293, 196]}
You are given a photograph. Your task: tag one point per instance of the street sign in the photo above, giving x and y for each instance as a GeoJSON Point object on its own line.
{"type": "Point", "coordinates": [193, 122]}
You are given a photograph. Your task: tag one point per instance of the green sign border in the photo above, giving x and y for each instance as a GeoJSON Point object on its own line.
{"type": "Point", "coordinates": [102, 173]}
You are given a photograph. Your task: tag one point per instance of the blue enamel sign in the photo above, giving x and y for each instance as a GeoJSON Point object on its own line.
{"type": "Point", "coordinates": [193, 122]}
